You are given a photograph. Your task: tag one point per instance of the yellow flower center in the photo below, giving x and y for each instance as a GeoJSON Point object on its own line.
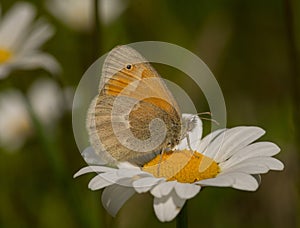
{"type": "Point", "coordinates": [184, 166]}
{"type": "Point", "coordinates": [5, 55]}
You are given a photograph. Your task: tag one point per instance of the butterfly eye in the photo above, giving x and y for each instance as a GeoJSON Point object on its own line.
{"type": "Point", "coordinates": [128, 66]}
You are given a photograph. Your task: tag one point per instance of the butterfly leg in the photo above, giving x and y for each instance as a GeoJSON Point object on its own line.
{"type": "Point", "coordinates": [160, 161]}
{"type": "Point", "coordinates": [189, 142]}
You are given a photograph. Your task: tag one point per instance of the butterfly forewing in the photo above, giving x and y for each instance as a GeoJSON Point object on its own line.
{"type": "Point", "coordinates": [131, 96]}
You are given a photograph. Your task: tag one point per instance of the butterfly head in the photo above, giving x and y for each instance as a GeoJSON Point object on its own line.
{"type": "Point", "coordinates": [188, 124]}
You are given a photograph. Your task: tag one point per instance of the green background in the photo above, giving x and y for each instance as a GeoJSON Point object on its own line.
{"type": "Point", "coordinates": [247, 47]}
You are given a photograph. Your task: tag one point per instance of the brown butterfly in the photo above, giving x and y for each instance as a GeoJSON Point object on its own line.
{"type": "Point", "coordinates": [134, 115]}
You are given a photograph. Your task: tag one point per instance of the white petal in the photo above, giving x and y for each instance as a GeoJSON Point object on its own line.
{"type": "Point", "coordinates": [254, 150]}
{"type": "Point", "coordinates": [111, 176]}
{"type": "Point", "coordinates": [186, 191]}
{"type": "Point", "coordinates": [218, 181]}
{"type": "Point", "coordinates": [145, 184]}
{"type": "Point", "coordinates": [232, 140]}
{"type": "Point", "coordinates": [91, 157]}
{"type": "Point", "coordinates": [257, 178]}
{"type": "Point", "coordinates": [241, 137]}
{"type": "Point", "coordinates": [127, 165]}
{"type": "Point", "coordinates": [36, 60]}
{"type": "Point", "coordinates": [114, 197]}
{"type": "Point", "coordinates": [236, 180]}
{"type": "Point", "coordinates": [99, 182]}
{"type": "Point", "coordinates": [15, 24]}
{"type": "Point", "coordinates": [128, 172]}
{"type": "Point", "coordinates": [256, 165]}
{"type": "Point", "coordinates": [167, 207]}
{"type": "Point", "coordinates": [41, 32]}
{"type": "Point", "coordinates": [194, 135]}
{"type": "Point", "coordinates": [82, 171]}
{"type": "Point", "coordinates": [93, 169]}
{"type": "Point", "coordinates": [245, 182]}
{"type": "Point", "coordinates": [163, 189]}
{"type": "Point", "coordinates": [202, 145]}
{"type": "Point", "coordinates": [248, 168]}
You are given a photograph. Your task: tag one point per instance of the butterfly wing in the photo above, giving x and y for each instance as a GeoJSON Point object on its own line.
{"type": "Point", "coordinates": [140, 81]}
{"type": "Point", "coordinates": [134, 113]}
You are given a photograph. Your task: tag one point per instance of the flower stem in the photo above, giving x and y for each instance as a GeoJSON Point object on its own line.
{"type": "Point", "coordinates": [182, 218]}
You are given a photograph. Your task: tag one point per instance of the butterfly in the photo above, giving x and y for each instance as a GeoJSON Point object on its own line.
{"type": "Point", "coordinates": [134, 116]}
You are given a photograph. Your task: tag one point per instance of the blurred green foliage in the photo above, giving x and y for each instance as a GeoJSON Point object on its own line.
{"type": "Point", "coordinates": [245, 45]}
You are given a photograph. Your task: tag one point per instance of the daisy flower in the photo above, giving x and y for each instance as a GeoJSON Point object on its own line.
{"type": "Point", "coordinates": [20, 40]}
{"type": "Point", "coordinates": [45, 98]}
{"type": "Point", "coordinates": [15, 123]}
{"type": "Point", "coordinates": [78, 14]}
{"type": "Point", "coordinates": [224, 158]}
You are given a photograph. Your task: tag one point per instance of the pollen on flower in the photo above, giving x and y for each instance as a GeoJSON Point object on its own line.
{"type": "Point", "coordinates": [5, 55]}
{"type": "Point", "coordinates": [184, 166]}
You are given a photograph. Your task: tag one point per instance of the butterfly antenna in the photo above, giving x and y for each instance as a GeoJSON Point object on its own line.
{"type": "Point", "coordinates": [209, 119]}
{"type": "Point", "coordinates": [203, 113]}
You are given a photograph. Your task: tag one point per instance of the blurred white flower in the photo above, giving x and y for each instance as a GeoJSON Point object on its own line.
{"type": "Point", "coordinates": [15, 124]}
{"type": "Point", "coordinates": [20, 40]}
{"type": "Point", "coordinates": [46, 100]}
{"type": "Point", "coordinates": [79, 14]}
{"type": "Point", "coordinates": [69, 93]}
{"type": "Point", "coordinates": [224, 158]}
